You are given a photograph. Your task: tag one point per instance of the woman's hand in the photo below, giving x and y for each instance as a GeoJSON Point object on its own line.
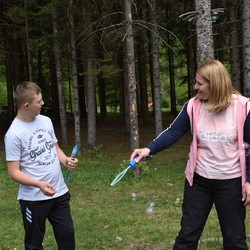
{"type": "Point", "coordinates": [141, 153]}
{"type": "Point", "coordinates": [246, 194]}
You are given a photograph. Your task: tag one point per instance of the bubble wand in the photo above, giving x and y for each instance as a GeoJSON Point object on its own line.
{"type": "Point", "coordinates": [72, 157]}
{"type": "Point", "coordinates": [121, 174]}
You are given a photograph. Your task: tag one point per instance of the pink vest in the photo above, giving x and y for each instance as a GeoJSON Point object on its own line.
{"type": "Point", "coordinates": [193, 110]}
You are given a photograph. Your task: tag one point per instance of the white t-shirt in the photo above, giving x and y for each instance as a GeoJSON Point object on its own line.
{"type": "Point", "coordinates": [218, 154]}
{"type": "Point", "coordinates": [34, 145]}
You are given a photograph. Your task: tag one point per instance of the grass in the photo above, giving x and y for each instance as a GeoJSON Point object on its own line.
{"type": "Point", "coordinates": [107, 218]}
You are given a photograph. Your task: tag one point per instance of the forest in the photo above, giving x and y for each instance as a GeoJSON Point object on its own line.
{"type": "Point", "coordinates": [129, 59]}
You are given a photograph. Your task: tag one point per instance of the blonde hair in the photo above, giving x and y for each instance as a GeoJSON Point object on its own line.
{"type": "Point", "coordinates": [25, 92]}
{"type": "Point", "coordinates": [221, 88]}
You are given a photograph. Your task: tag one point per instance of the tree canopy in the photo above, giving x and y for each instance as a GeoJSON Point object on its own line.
{"type": "Point", "coordinates": [78, 53]}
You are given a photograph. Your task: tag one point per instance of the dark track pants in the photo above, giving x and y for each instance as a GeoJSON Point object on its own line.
{"type": "Point", "coordinates": [57, 211]}
{"type": "Point", "coordinates": [197, 204]}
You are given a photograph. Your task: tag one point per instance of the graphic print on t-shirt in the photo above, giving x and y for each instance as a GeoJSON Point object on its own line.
{"type": "Point", "coordinates": [40, 147]}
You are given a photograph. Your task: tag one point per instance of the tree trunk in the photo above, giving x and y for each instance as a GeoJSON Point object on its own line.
{"type": "Point", "coordinates": [81, 67]}
{"type": "Point", "coordinates": [91, 103]}
{"type": "Point", "coordinates": [126, 104]}
{"type": "Point", "coordinates": [77, 122]}
{"type": "Point", "coordinates": [234, 42]}
{"type": "Point", "coordinates": [13, 57]}
{"type": "Point", "coordinates": [89, 79]}
{"type": "Point", "coordinates": [156, 71]}
{"type": "Point", "coordinates": [134, 133]}
{"type": "Point", "coordinates": [28, 46]}
{"type": "Point", "coordinates": [101, 88]}
{"type": "Point", "coordinates": [39, 68]}
{"type": "Point", "coordinates": [171, 68]}
{"type": "Point", "coordinates": [172, 79]}
{"type": "Point", "coordinates": [190, 52]}
{"type": "Point", "coordinates": [204, 31]}
{"type": "Point", "coordinates": [246, 46]}
{"type": "Point", "coordinates": [142, 71]}
{"type": "Point", "coordinates": [62, 111]}
{"type": "Point", "coordinates": [55, 112]}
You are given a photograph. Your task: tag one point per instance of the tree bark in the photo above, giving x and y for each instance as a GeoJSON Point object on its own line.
{"type": "Point", "coordinates": [142, 71]}
{"type": "Point", "coordinates": [91, 103]}
{"type": "Point", "coordinates": [204, 31]}
{"type": "Point", "coordinates": [246, 46]}
{"type": "Point", "coordinates": [101, 87]}
{"type": "Point", "coordinates": [156, 71]}
{"type": "Point", "coordinates": [12, 55]}
{"type": "Point", "coordinates": [171, 67]}
{"type": "Point", "coordinates": [62, 110]}
{"type": "Point", "coordinates": [234, 44]}
{"type": "Point", "coordinates": [28, 45]}
{"type": "Point", "coordinates": [190, 51]}
{"type": "Point", "coordinates": [129, 40]}
{"type": "Point", "coordinates": [77, 122]}
{"type": "Point", "coordinates": [124, 82]}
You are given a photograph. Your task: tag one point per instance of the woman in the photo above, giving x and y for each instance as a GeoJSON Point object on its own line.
{"type": "Point", "coordinates": [216, 169]}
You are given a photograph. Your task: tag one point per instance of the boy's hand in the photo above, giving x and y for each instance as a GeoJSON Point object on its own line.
{"type": "Point", "coordinates": [71, 164]}
{"type": "Point", "coordinates": [47, 188]}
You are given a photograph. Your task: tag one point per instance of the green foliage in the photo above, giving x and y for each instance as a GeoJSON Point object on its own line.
{"type": "Point", "coordinates": [96, 151]}
{"type": "Point", "coordinates": [180, 76]}
{"type": "Point", "coordinates": [3, 91]}
{"type": "Point", "coordinates": [106, 30]}
{"type": "Point", "coordinates": [143, 167]}
{"type": "Point", "coordinates": [106, 69]}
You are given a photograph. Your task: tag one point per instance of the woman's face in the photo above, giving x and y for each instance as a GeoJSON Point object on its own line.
{"type": "Point", "coordinates": [202, 87]}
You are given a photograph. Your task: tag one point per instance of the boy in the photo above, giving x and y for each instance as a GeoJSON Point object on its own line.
{"type": "Point", "coordinates": [33, 160]}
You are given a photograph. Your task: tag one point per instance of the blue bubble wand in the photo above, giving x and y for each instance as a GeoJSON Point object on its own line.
{"type": "Point", "coordinates": [72, 157]}
{"type": "Point", "coordinates": [121, 174]}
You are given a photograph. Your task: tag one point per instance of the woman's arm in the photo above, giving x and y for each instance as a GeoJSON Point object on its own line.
{"type": "Point", "coordinates": [168, 137]}
{"type": "Point", "coordinates": [247, 141]}
{"type": "Point", "coordinates": [172, 134]}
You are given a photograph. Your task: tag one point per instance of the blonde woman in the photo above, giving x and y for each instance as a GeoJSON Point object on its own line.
{"type": "Point", "coordinates": [216, 169]}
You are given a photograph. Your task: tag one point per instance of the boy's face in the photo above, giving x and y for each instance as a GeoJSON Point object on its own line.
{"type": "Point", "coordinates": [36, 105]}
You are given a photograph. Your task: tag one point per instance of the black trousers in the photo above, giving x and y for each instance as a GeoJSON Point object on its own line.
{"type": "Point", "coordinates": [57, 211]}
{"type": "Point", "coordinates": [197, 204]}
